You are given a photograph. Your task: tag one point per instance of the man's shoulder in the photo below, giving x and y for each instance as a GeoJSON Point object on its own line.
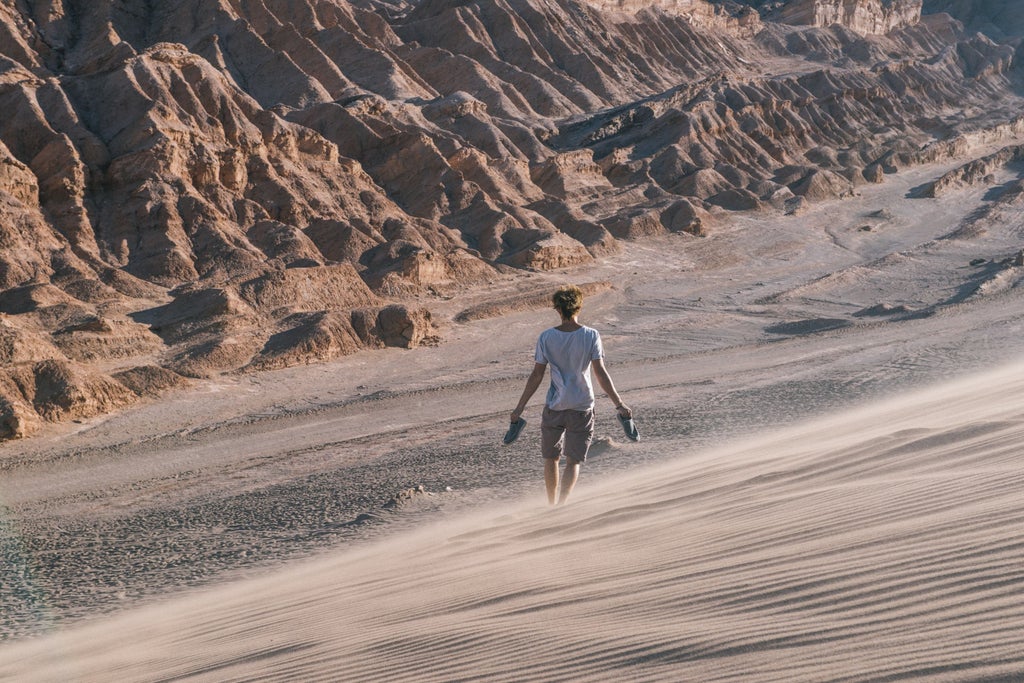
{"type": "Point", "coordinates": [591, 334]}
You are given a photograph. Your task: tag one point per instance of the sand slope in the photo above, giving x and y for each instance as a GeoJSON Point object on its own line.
{"type": "Point", "coordinates": [882, 544]}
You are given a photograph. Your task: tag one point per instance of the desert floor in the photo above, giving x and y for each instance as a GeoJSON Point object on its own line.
{"type": "Point", "coordinates": [817, 495]}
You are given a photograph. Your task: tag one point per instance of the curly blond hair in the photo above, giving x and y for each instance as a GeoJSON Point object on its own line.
{"type": "Point", "coordinates": [568, 300]}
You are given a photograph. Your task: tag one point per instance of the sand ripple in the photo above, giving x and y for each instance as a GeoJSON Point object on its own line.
{"type": "Point", "coordinates": [879, 545]}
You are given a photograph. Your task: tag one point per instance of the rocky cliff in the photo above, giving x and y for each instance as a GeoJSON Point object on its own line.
{"type": "Point", "coordinates": [212, 186]}
{"type": "Point", "coordinates": [738, 20]}
{"type": "Point", "coordinates": [863, 16]}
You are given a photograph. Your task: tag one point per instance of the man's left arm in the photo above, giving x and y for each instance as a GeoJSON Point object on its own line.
{"type": "Point", "coordinates": [605, 381]}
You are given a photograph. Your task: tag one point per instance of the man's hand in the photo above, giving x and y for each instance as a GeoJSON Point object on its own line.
{"type": "Point", "coordinates": [516, 414]}
{"type": "Point", "coordinates": [624, 410]}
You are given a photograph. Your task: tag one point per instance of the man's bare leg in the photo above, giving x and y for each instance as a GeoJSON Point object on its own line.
{"type": "Point", "coordinates": [569, 476]}
{"type": "Point", "coordinates": [551, 478]}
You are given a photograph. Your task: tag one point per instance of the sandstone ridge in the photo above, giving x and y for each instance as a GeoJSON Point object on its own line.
{"type": "Point", "coordinates": [864, 16]}
{"type": "Point", "coordinates": [203, 187]}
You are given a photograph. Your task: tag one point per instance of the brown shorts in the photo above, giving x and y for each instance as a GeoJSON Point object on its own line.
{"type": "Point", "coordinates": [568, 430]}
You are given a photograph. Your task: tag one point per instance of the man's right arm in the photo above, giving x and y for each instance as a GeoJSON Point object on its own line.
{"type": "Point", "coordinates": [532, 384]}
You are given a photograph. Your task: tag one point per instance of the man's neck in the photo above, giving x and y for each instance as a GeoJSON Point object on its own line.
{"type": "Point", "coordinates": [569, 325]}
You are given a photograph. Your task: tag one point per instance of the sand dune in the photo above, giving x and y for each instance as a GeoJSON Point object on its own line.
{"type": "Point", "coordinates": [880, 544]}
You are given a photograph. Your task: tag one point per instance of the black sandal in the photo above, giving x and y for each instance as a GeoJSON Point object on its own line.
{"type": "Point", "coordinates": [629, 427]}
{"type": "Point", "coordinates": [513, 431]}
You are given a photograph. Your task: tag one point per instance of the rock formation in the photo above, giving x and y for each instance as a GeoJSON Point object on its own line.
{"type": "Point", "coordinates": [974, 172]}
{"type": "Point", "coordinates": [200, 187]}
{"type": "Point", "coordinates": [863, 16]}
{"type": "Point", "coordinates": [742, 21]}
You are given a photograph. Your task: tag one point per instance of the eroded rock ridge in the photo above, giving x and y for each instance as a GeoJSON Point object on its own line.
{"type": "Point", "coordinates": [211, 186]}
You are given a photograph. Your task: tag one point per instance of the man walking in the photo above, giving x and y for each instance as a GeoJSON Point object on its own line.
{"type": "Point", "coordinates": [567, 424]}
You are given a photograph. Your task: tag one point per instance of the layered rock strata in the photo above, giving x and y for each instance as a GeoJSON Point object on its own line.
{"type": "Point", "coordinates": [863, 16]}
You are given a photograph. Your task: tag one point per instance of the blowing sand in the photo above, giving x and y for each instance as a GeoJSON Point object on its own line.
{"type": "Point", "coordinates": [880, 545]}
{"type": "Point", "coordinates": [827, 489]}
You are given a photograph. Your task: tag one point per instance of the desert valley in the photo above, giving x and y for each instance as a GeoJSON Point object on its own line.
{"type": "Point", "coordinates": [271, 273]}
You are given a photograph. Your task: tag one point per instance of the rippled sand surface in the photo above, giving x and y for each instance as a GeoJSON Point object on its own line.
{"type": "Point", "coordinates": [882, 544]}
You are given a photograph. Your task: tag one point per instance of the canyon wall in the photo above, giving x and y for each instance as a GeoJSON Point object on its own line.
{"type": "Point", "coordinates": [863, 16]}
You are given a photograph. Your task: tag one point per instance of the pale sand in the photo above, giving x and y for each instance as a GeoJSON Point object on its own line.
{"type": "Point", "coordinates": [879, 542]}
{"type": "Point", "coordinates": [883, 544]}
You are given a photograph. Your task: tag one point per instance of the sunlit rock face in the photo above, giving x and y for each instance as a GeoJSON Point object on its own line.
{"type": "Point", "coordinates": [743, 22]}
{"type": "Point", "coordinates": [863, 16]}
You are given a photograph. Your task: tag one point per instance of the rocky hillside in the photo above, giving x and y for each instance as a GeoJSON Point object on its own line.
{"type": "Point", "coordinates": [210, 186]}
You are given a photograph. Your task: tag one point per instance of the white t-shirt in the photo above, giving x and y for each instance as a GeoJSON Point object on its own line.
{"type": "Point", "coordinates": [568, 354]}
